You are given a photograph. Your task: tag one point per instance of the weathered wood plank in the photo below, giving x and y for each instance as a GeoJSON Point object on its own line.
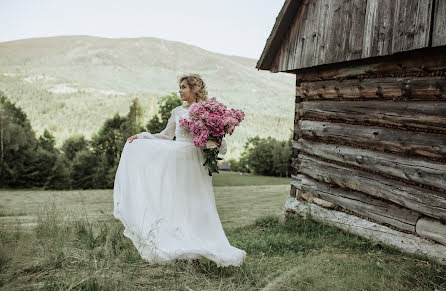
{"type": "Point", "coordinates": [432, 228]}
{"type": "Point", "coordinates": [439, 29]}
{"type": "Point", "coordinates": [285, 17]}
{"type": "Point", "coordinates": [411, 27]}
{"type": "Point", "coordinates": [355, 28]}
{"type": "Point", "coordinates": [332, 31]}
{"type": "Point", "coordinates": [415, 170]}
{"type": "Point", "coordinates": [363, 204]}
{"type": "Point", "coordinates": [309, 35]}
{"type": "Point", "coordinates": [378, 28]}
{"type": "Point", "coordinates": [376, 138]}
{"type": "Point", "coordinates": [430, 115]}
{"type": "Point", "coordinates": [428, 202]}
{"type": "Point", "coordinates": [322, 33]}
{"type": "Point", "coordinates": [407, 88]}
{"type": "Point", "coordinates": [370, 230]}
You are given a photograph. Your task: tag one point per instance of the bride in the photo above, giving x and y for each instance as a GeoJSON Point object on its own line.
{"type": "Point", "coordinates": [163, 194]}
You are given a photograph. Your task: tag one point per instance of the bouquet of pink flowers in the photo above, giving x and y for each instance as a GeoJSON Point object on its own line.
{"type": "Point", "coordinates": [211, 121]}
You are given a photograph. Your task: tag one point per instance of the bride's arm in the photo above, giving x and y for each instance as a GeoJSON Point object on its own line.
{"type": "Point", "coordinates": [167, 133]}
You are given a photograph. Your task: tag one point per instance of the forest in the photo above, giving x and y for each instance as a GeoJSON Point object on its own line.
{"type": "Point", "coordinates": [28, 161]}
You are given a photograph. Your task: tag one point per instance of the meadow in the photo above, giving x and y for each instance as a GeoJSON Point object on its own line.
{"type": "Point", "coordinates": [69, 240]}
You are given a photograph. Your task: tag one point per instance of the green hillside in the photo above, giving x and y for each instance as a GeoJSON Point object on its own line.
{"type": "Point", "coordinates": [72, 84]}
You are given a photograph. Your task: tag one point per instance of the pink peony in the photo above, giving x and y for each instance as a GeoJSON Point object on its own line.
{"type": "Point", "coordinates": [211, 120]}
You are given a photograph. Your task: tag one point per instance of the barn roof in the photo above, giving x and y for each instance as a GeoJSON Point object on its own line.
{"type": "Point", "coordinates": [283, 21]}
{"type": "Point", "coordinates": [310, 33]}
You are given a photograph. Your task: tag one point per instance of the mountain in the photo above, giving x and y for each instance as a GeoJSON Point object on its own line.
{"type": "Point", "coordinates": [71, 84]}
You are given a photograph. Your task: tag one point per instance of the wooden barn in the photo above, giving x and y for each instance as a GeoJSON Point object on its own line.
{"type": "Point", "coordinates": [369, 149]}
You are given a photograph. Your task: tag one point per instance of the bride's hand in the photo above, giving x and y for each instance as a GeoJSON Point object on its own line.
{"type": "Point", "coordinates": [132, 138]}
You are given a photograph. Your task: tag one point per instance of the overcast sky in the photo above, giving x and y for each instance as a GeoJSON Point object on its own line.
{"type": "Point", "coordinates": [233, 27]}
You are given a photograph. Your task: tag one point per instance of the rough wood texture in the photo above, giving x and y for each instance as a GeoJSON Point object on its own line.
{"type": "Point", "coordinates": [376, 138]}
{"type": "Point", "coordinates": [404, 88]}
{"type": "Point", "coordinates": [426, 61]}
{"type": "Point", "coordinates": [428, 202]}
{"type": "Point", "coordinates": [363, 204]}
{"type": "Point", "coordinates": [286, 16]}
{"type": "Point", "coordinates": [410, 169]}
{"type": "Point", "coordinates": [439, 29]}
{"type": "Point", "coordinates": [370, 230]}
{"type": "Point", "coordinates": [430, 116]}
{"type": "Point", "coordinates": [433, 229]}
{"type": "Point", "coordinates": [411, 25]}
{"type": "Point", "coordinates": [331, 31]}
{"type": "Point", "coordinates": [378, 29]}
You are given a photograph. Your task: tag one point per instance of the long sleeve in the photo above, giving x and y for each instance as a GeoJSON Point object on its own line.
{"type": "Point", "coordinates": [223, 147]}
{"type": "Point", "coordinates": [167, 133]}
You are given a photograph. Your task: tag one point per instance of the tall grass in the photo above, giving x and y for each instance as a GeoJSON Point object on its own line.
{"type": "Point", "coordinates": [66, 252]}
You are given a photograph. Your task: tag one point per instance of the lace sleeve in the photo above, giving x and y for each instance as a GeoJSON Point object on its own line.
{"type": "Point", "coordinates": [167, 133]}
{"type": "Point", "coordinates": [223, 147]}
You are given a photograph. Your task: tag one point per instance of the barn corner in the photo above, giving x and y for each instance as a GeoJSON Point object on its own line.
{"type": "Point", "coordinates": [369, 145]}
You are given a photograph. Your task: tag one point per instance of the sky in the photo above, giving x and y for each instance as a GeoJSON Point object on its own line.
{"type": "Point", "coordinates": [232, 27]}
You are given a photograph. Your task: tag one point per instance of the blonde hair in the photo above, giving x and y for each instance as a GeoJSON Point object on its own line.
{"type": "Point", "coordinates": [197, 86]}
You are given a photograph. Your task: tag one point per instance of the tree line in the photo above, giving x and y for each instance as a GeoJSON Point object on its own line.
{"type": "Point", "coordinates": [27, 161]}
{"type": "Point", "coordinates": [265, 156]}
{"type": "Point", "coordinates": [30, 162]}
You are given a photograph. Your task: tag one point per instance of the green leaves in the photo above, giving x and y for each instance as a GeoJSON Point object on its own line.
{"type": "Point", "coordinates": [265, 156]}
{"type": "Point", "coordinates": [166, 104]}
{"type": "Point", "coordinates": [211, 157]}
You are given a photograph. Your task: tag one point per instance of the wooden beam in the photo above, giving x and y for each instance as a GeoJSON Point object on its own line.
{"type": "Point", "coordinates": [410, 169]}
{"type": "Point", "coordinates": [433, 229]}
{"type": "Point", "coordinates": [376, 138]}
{"type": "Point", "coordinates": [424, 116]}
{"type": "Point", "coordinates": [352, 224]}
{"type": "Point", "coordinates": [363, 204]}
{"type": "Point", "coordinates": [439, 27]}
{"type": "Point", "coordinates": [404, 88]}
{"type": "Point", "coordinates": [425, 201]}
{"type": "Point", "coordinates": [425, 61]}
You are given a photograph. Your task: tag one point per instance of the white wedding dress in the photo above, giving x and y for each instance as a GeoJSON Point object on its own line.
{"type": "Point", "coordinates": [164, 197]}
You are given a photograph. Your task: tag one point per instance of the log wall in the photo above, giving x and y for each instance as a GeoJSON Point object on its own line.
{"type": "Point", "coordinates": [370, 139]}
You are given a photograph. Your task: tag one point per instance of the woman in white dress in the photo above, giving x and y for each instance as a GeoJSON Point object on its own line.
{"type": "Point", "coordinates": [163, 194]}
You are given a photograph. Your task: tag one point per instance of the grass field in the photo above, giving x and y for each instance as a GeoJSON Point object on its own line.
{"type": "Point", "coordinates": [55, 240]}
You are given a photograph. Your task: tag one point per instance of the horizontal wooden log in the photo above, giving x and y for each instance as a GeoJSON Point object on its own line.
{"type": "Point", "coordinates": [429, 115]}
{"type": "Point", "coordinates": [427, 60]}
{"type": "Point", "coordinates": [408, 88]}
{"type": "Point", "coordinates": [363, 204]}
{"type": "Point", "coordinates": [415, 170]}
{"type": "Point", "coordinates": [323, 203]}
{"type": "Point", "coordinates": [433, 229]}
{"type": "Point", "coordinates": [370, 230]}
{"type": "Point", "coordinates": [377, 138]}
{"type": "Point", "coordinates": [428, 202]}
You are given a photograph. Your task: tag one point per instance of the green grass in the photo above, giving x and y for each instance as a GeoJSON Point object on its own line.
{"type": "Point", "coordinates": [299, 254]}
{"type": "Point", "coordinates": [76, 243]}
{"type": "Point", "coordinates": [244, 179]}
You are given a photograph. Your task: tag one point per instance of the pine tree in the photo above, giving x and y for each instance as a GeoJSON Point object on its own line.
{"type": "Point", "coordinates": [17, 144]}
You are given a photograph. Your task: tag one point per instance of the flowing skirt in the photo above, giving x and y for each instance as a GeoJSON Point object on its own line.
{"type": "Point", "coordinates": [164, 197]}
